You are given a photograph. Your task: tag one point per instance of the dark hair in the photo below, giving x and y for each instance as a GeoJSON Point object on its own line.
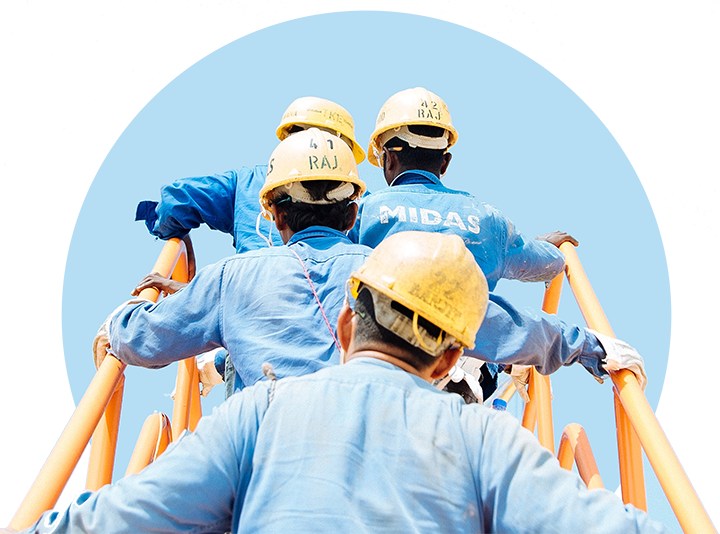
{"type": "Point", "coordinates": [424, 159]}
{"type": "Point", "coordinates": [368, 331]}
{"type": "Point", "coordinates": [300, 215]}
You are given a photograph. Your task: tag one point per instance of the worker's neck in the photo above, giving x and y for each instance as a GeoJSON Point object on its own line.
{"type": "Point", "coordinates": [397, 362]}
{"type": "Point", "coordinates": [390, 176]}
{"type": "Point", "coordinates": [286, 234]}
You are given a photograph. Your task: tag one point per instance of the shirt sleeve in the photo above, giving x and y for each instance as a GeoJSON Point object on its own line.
{"type": "Point", "coordinates": [528, 260]}
{"type": "Point", "coordinates": [522, 488]}
{"type": "Point", "coordinates": [508, 336]}
{"type": "Point", "coordinates": [197, 485]}
{"type": "Point", "coordinates": [189, 202]}
{"type": "Point", "coordinates": [184, 324]}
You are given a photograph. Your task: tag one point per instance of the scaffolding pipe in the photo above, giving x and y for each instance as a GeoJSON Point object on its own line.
{"type": "Point", "coordinates": [61, 462]}
{"type": "Point", "coordinates": [574, 445]}
{"type": "Point", "coordinates": [677, 487]}
{"type": "Point", "coordinates": [152, 442]}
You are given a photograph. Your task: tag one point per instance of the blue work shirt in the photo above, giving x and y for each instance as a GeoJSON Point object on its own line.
{"type": "Point", "coordinates": [361, 447]}
{"type": "Point", "coordinates": [417, 200]}
{"type": "Point", "coordinates": [258, 305]}
{"type": "Point", "coordinates": [228, 202]}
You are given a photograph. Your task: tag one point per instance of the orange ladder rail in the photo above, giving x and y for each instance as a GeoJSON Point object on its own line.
{"type": "Point", "coordinates": [637, 422]}
{"type": "Point", "coordinates": [90, 414]}
{"type": "Point", "coordinates": [540, 406]}
{"type": "Point", "coordinates": [574, 445]}
{"type": "Point", "coordinates": [153, 440]}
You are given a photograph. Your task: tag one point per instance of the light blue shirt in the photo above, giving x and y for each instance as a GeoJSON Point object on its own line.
{"type": "Point", "coordinates": [417, 200]}
{"type": "Point", "coordinates": [258, 305]}
{"type": "Point", "coordinates": [361, 447]}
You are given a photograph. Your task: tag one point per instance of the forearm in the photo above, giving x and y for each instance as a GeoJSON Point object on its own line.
{"type": "Point", "coordinates": [509, 336]}
{"type": "Point", "coordinates": [180, 326]}
{"type": "Point", "coordinates": [189, 202]}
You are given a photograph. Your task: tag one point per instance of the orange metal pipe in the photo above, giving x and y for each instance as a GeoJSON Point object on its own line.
{"type": "Point", "coordinates": [509, 391]}
{"type": "Point", "coordinates": [61, 462]}
{"type": "Point", "coordinates": [546, 435]}
{"type": "Point", "coordinates": [681, 495]}
{"type": "Point", "coordinates": [195, 406]}
{"type": "Point", "coordinates": [632, 477]}
{"type": "Point", "coordinates": [183, 390]}
{"type": "Point", "coordinates": [104, 441]}
{"type": "Point", "coordinates": [530, 412]}
{"type": "Point", "coordinates": [153, 440]}
{"type": "Point", "coordinates": [574, 445]}
{"type": "Point", "coordinates": [691, 514]}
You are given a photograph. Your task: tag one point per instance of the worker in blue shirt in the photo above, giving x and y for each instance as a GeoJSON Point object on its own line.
{"type": "Point", "coordinates": [278, 304]}
{"type": "Point", "coordinates": [412, 135]}
{"type": "Point", "coordinates": [369, 446]}
{"type": "Point", "coordinates": [229, 202]}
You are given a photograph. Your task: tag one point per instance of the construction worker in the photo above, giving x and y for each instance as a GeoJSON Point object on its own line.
{"type": "Point", "coordinates": [412, 135]}
{"type": "Point", "coordinates": [277, 304]}
{"type": "Point", "coordinates": [229, 202]}
{"type": "Point", "coordinates": [369, 446]}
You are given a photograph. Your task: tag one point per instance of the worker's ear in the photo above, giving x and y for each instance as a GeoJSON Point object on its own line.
{"type": "Point", "coordinates": [446, 163]}
{"type": "Point", "coordinates": [278, 218]}
{"type": "Point", "coordinates": [353, 207]}
{"type": "Point", "coordinates": [445, 362]}
{"type": "Point", "coordinates": [346, 327]}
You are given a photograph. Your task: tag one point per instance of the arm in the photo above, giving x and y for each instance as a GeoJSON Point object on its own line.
{"type": "Point", "coordinates": [197, 485]}
{"type": "Point", "coordinates": [187, 203]}
{"type": "Point", "coordinates": [521, 487]}
{"type": "Point", "coordinates": [508, 336]}
{"type": "Point", "coordinates": [528, 260]}
{"type": "Point", "coordinates": [180, 326]}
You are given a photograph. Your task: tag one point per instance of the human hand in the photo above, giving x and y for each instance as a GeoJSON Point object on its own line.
{"type": "Point", "coordinates": [154, 280]}
{"type": "Point", "coordinates": [520, 375]}
{"type": "Point", "coordinates": [207, 372]}
{"type": "Point", "coordinates": [190, 257]}
{"type": "Point", "coordinates": [620, 355]}
{"type": "Point", "coordinates": [557, 238]}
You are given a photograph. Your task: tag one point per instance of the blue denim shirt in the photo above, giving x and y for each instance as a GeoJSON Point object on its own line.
{"type": "Point", "coordinates": [258, 305]}
{"type": "Point", "coordinates": [361, 447]}
{"type": "Point", "coordinates": [228, 202]}
{"type": "Point", "coordinates": [417, 200]}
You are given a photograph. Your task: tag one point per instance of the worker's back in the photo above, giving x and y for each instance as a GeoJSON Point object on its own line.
{"type": "Point", "coordinates": [259, 305]}
{"type": "Point", "coordinates": [372, 448]}
{"type": "Point", "coordinates": [417, 200]}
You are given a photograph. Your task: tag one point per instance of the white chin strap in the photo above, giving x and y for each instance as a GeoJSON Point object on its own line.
{"type": "Point", "coordinates": [415, 140]}
{"type": "Point", "coordinates": [298, 193]}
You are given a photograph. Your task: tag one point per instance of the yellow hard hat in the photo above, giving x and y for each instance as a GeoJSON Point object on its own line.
{"type": "Point", "coordinates": [311, 111]}
{"type": "Point", "coordinates": [416, 106]}
{"type": "Point", "coordinates": [311, 155]}
{"type": "Point", "coordinates": [436, 277]}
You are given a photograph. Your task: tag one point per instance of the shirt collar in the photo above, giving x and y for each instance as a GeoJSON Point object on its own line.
{"type": "Point", "coordinates": [415, 177]}
{"type": "Point", "coordinates": [316, 231]}
{"type": "Point", "coordinates": [402, 374]}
